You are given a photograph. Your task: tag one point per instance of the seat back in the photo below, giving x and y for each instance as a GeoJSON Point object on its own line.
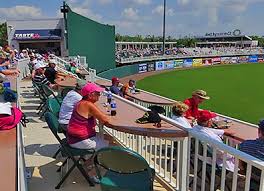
{"type": "Point", "coordinates": [120, 160]}
{"type": "Point", "coordinates": [53, 124]}
{"type": "Point", "coordinates": [53, 106]}
{"type": "Point", "coordinates": [47, 90]}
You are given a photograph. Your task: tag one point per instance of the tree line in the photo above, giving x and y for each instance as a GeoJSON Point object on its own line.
{"type": "Point", "coordinates": [3, 34]}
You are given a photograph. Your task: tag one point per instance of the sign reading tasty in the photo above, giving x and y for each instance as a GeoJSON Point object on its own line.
{"type": "Point", "coordinates": [26, 35]}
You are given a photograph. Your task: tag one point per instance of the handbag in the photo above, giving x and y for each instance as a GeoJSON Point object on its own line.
{"type": "Point", "coordinates": [10, 121]}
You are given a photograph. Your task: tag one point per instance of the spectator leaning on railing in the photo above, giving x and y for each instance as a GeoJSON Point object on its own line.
{"type": "Point", "coordinates": [81, 129]}
{"type": "Point", "coordinates": [198, 97]}
{"type": "Point", "coordinates": [178, 111]}
{"type": "Point", "coordinates": [204, 128]}
{"type": "Point", "coordinates": [114, 88]}
{"type": "Point", "coordinates": [4, 64]}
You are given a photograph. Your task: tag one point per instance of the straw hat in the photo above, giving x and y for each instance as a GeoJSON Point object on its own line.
{"type": "Point", "coordinates": [179, 108]}
{"type": "Point", "coordinates": [201, 94]}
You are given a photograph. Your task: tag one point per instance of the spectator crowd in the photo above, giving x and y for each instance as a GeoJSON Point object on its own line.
{"type": "Point", "coordinates": [136, 53]}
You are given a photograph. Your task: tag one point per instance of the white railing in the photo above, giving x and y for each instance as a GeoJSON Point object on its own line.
{"type": "Point", "coordinates": [21, 172]}
{"type": "Point", "coordinates": [192, 163]}
{"type": "Point", "coordinates": [158, 152]}
{"type": "Point", "coordinates": [206, 174]}
{"type": "Point", "coordinates": [22, 66]}
{"type": "Point", "coordinates": [156, 58]}
{"type": "Point", "coordinates": [92, 75]}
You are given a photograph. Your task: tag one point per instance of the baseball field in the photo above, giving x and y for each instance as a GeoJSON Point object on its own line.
{"type": "Point", "coordinates": [235, 90]}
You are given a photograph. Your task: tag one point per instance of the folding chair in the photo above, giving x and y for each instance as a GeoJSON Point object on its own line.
{"type": "Point", "coordinates": [68, 152]}
{"type": "Point", "coordinates": [125, 170]}
{"type": "Point", "coordinates": [41, 96]}
{"type": "Point", "coordinates": [49, 92]}
{"type": "Point", "coordinates": [54, 108]}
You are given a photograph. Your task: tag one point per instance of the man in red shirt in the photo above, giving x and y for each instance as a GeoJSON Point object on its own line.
{"type": "Point", "coordinates": [198, 96]}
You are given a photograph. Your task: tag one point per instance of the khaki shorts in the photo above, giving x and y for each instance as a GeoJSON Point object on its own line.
{"type": "Point", "coordinates": [91, 143]}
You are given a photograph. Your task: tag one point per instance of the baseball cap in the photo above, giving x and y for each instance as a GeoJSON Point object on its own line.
{"type": "Point", "coordinates": [39, 65]}
{"type": "Point", "coordinates": [115, 79]}
{"type": "Point", "coordinates": [205, 115]}
{"type": "Point", "coordinates": [80, 84]}
{"type": "Point", "coordinates": [201, 94]}
{"type": "Point", "coordinates": [52, 61]}
{"type": "Point", "coordinates": [90, 88]}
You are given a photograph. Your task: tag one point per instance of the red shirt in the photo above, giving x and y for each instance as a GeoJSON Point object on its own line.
{"type": "Point", "coordinates": [193, 108]}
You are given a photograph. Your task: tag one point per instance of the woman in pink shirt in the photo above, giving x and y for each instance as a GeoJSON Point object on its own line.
{"type": "Point", "coordinates": [81, 129]}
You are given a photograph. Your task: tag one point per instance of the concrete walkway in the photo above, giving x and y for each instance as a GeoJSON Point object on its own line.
{"type": "Point", "coordinates": [40, 145]}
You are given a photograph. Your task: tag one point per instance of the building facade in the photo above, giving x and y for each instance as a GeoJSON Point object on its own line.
{"type": "Point", "coordinates": [42, 35]}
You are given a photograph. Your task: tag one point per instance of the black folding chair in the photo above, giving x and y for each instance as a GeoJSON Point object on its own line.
{"type": "Point", "coordinates": [69, 152]}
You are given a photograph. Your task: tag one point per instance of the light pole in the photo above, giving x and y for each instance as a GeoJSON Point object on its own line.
{"type": "Point", "coordinates": [164, 19]}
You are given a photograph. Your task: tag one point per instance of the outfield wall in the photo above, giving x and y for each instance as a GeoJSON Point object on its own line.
{"type": "Point", "coordinates": [178, 63]}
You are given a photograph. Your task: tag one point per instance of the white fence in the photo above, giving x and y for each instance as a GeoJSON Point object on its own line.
{"type": "Point", "coordinates": [22, 66]}
{"type": "Point", "coordinates": [191, 163]}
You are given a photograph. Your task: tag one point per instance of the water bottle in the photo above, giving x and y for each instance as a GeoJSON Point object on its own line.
{"type": "Point", "coordinates": [6, 83]}
{"type": "Point", "coordinates": [109, 97]}
{"type": "Point", "coordinates": [113, 108]}
{"type": "Point", "coordinates": [133, 91]}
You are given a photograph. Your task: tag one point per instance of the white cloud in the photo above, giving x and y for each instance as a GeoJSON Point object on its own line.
{"type": "Point", "coordinates": [159, 10]}
{"type": "Point", "coordinates": [130, 13]}
{"type": "Point", "coordinates": [20, 12]}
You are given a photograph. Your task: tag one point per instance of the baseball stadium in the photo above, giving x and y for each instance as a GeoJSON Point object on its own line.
{"type": "Point", "coordinates": [85, 108]}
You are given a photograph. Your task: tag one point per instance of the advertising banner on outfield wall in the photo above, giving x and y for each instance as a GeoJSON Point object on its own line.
{"type": "Point", "coordinates": [178, 63]}
{"type": "Point", "coordinates": [187, 62]}
{"type": "Point", "coordinates": [243, 59]}
{"type": "Point", "coordinates": [142, 68]}
{"type": "Point", "coordinates": [169, 64]}
{"type": "Point", "coordinates": [253, 58]}
{"type": "Point", "coordinates": [207, 61]}
{"type": "Point", "coordinates": [260, 58]}
{"type": "Point", "coordinates": [216, 60]}
{"type": "Point", "coordinates": [234, 59]}
{"type": "Point", "coordinates": [226, 60]}
{"type": "Point", "coordinates": [160, 65]}
{"type": "Point", "coordinates": [151, 66]}
{"type": "Point", "coordinates": [197, 62]}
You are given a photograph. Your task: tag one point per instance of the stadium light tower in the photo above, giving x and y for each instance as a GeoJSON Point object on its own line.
{"type": "Point", "coordinates": [164, 19]}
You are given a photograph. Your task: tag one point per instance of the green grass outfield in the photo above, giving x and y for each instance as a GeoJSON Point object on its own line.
{"type": "Point", "coordinates": [235, 90]}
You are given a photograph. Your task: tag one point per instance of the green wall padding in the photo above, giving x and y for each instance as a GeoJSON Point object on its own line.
{"type": "Point", "coordinates": [91, 39]}
{"type": "Point", "coordinates": [120, 72]}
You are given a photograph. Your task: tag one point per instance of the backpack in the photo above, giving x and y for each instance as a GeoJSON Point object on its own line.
{"type": "Point", "coordinates": [10, 121]}
{"type": "Point", "coordinates": [10, 95]}
{"type": "Point", "coordinates": [157, 109]}
{"type": "Point", "coordinates": [149, 117]}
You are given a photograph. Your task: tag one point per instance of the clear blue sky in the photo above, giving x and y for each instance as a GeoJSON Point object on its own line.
{"type": "Point", "coordinates": [144, 17]}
